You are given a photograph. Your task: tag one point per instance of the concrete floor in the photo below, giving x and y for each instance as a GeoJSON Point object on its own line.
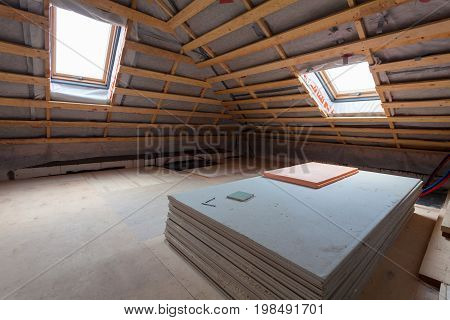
{"type": "Point", "coordinates": [99, 235]}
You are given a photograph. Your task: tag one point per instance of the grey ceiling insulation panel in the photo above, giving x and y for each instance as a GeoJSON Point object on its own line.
{"type": "Point", "coordinates": [130, 117]}
{"type": "Point", "coordinates": [325, 39]}
{"type": "Point", "coordinates": [153, 63]}
{"type": "Point", "coordinates": [302, 12]}
{"type": "Point", "coordinates": [21, 132]}
{"type": "Point", "coordinates": [421, 49]}
{"type": "Point", "coordinates": [202, 22]}
{"type": "Point", "coordinates": [62, 132]}
{"type": "Point", "coordinates": [420, 74]}
{"type": "Point", "coordinates": [147, 84]}
{"type": "Point", "coordinates": [236, 39]}
{"type": "Point", "coordinates": [139, 101]}
{"type": "Point", "coordinates": [22, 113]}
{"type": "Point", "coordinates": [406, 15]}
{"type": "Point", "coordinates": [184, 89]}
{"type": "Point", "coordinates": [78, 115]}
{"type": "Point", "coordinates": [421, 94]}
{"type": "Point", "coordinates": [254, 59]}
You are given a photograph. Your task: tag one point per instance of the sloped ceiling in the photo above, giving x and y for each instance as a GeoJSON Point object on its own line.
{"type": "Point", "coordinates": [237, 64]}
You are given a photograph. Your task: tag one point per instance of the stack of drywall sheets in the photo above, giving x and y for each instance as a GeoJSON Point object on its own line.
{"type": "Point", "coordinates": [290, 241]}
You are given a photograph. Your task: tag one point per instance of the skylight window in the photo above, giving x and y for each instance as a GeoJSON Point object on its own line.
{"type": "Point", "coordinates": [350, 81]}
{"type": "Point", "coordinates": [82, 48]}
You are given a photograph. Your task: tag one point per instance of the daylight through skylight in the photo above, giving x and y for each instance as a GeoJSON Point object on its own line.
{"type": "Point", "coordinates": [351, 80]}
{"type": "Point", "coordinates": [82, 49]}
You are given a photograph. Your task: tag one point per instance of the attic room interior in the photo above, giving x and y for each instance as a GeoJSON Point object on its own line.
{"type": "Point", "coordinates": [227, 149]}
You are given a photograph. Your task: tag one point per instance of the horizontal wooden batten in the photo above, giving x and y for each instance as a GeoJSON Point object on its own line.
{"type": "Point", "coordinates": [164, 77]}
{"type": "Point", "coordinates": [438, 103]}
{"type": "Point", "coordinates": [23, 16]}
{"type": "Point", "coordinates": [412, 63]}
{"type": "Point", "coordinates": [430, 31]}
{"type": "Point", "coordinates": [409, 142]}
{"type": "Point", "coordinates": [262, 86]}
{"type": "Point", "coordinates": [430, 119]}
{"type": "Point", "coordinates": [166, 96]}
{"type": "Point", "coordinates": [129, 13]}
{"type": "Point", "coordinates": [80, 124]}
{"type": "Point", "coordinates": [16, 141]}
{"type": "Point", "coordinates": [20, 50]}
{"type": "Point", "coordinates": [43, 104]}
{"type": "Point", "coordinates": [419, 85]}
{"type": "Point", "coordinates": [24, 79]}
{"type": "Point", "coordinates": [303, 129]}
{"type": "Point", "coordinates": [244, 19]}
{"type": "Point", "coordinates": [345, 16]}
{"type": "Point", "coordinates": [291, 97]}
{"type": "Point", "coordinates": [189, 11]}
{"type": "Point", "coordinates": [275, 110]}
{"type": "Point", "coordinates": [158, 52]}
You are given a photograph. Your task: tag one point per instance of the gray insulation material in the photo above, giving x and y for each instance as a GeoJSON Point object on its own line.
{"type": "Point", "coordinates": [411, 161]}
{"type": "Point", "coordinates": [62, 132]}
{"type": "Point", "coordinates": [138, 101]}
{"type": "Point", "coordinates": [302, 12]}
{"type": "Point", "coordinates": [406, 15]}
{"type": "Point", "coordinates": [147, 84]}
{"type": "Point", "coordinates": [13, 113]}
{"type": "Point", "coordinates": [21, 132]}
{"type": "Point", "coordinates": [421, 94]}
{"type": "Point", "coordinates": [254, 59]}
{"type": "Point", "coordinates": [236, 39]}
{"type": "Point", "coordinates": [420, 74]}
{"type": "Point", "coordinates": [130, 117]}
{"type": "Point", "coordinates": [76, 115]}
{"type": "Point", "coordinates": [202, 22]}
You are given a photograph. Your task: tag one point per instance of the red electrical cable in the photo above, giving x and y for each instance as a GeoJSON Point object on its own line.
{"type": "Point", "coordinates": [440, 184]}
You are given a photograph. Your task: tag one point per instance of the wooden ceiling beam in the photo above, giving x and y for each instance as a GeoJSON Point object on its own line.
{"type": "Point", "coordinates": [417, 85]}
{"type": "Point", "coordinates": [244, 19]}
{"type": "Point", "coordinates": [166, 96]}
{"type": "Point", "coordinates": [275, 110]}
{"type": "Point", "coordinates": [412, 119]}
{"type": "Point", "coordinates": [303, 129]}
{"type": "Point", "coordinates": [290, 97]}
{"type": "Point", "coordinates": [438, 103]}
{"type": "Point", "coordinates": [188, 12]}
{"type": "Point", "coordinates": [23, 16]}
{"type": "Point", "coordinates": [436, 59]}
{"type": "Point", "coordinates": [409, 142]}
{"type": "Point", "coordinates": [43, 104]}
{"type": "Point", "coordinates": [434, 30]}
{"type": "Point", "coordinates": [345, 16]}
{"type": "Point", "coordinates": [23, 79]}
{"type": "Point", "coordinates": [21, 50]}
{"type": "Point", "coordinates": [261, 86]}
{"type": "Point", "coordinates": [129, 13]}
{"type": "Point", "coordinates": [158, 52]}
{"type": "Point", "coordinates": [163, 76]}
{"type": "Point", "coordinates": [17, 141]}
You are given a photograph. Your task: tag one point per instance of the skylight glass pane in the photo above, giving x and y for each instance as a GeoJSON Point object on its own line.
{"type": "Point", "coordinates": [355, 78]}
{"type": "Point", "coordinates": [81, 45]}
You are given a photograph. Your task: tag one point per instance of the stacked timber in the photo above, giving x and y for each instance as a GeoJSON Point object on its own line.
{"type": "Point", "coordinates": [288, 241]}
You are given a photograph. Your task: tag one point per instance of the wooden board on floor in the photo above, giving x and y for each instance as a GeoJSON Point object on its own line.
{"type": "Point", "coordinates": [312, 174]}
{"type": "Point", "coordinates": [435, 266]}
{"type": "Point", "coordinates": [444, 292]}
{"type": "Point", "coordinates": [445, 212]}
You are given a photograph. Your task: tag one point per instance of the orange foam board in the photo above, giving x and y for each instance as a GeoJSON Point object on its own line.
{"type": "Point", "coordinates": [312, 174]}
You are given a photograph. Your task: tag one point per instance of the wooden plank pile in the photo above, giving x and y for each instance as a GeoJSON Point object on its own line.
{"type": "Point", "coordinates": [435, 267]}
{"type": "Point", "coordinates": [290, 241]}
